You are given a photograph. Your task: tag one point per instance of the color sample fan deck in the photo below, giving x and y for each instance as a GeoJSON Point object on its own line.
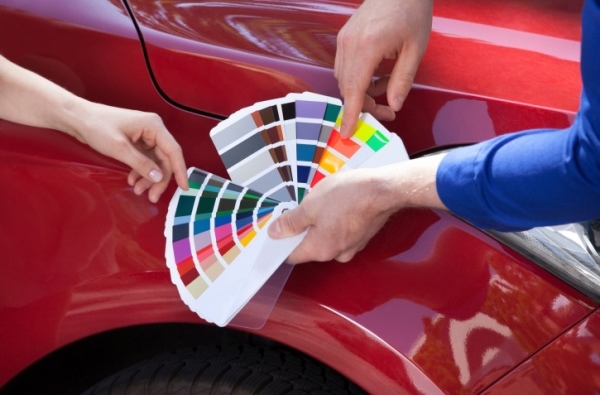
{"type": "Point", "coordinates": [218, 250]}
{"type": "Point", "coordinates": [216, 232]}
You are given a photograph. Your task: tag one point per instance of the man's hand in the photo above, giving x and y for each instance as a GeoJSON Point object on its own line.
{"type": "Point", "coordinates": [341, 213]}
{"type": "Point", "coordinates": [345, 210]}
{"type": "Point", "coordinates": [378, 30]}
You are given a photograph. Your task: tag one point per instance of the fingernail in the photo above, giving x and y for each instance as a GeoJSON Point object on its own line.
{"type": "Point", "coordinates": [275, 230]}
{"type": "Point", "coordinates": [397, 103]}
{"type": "Point", "coordinates": [155, 175]}
{"type": "Point", "coordinates": [344, 130]}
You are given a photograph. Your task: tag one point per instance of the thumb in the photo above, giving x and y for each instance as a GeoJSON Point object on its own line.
{"type": "Point", "coordinates": [290, 223]}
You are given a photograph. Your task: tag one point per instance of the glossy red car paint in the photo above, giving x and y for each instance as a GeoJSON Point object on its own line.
{"type": "Point", "coordinates": [432, 305]}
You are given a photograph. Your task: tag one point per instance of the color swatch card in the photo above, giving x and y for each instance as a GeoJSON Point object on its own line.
{"type": "Point", "coordinates": [218, 250]}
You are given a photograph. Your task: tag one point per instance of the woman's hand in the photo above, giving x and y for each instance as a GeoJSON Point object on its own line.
{"type": "Point", "coordinates": [141, 141]}
{"type": "Point", "coordinates": [138, 139]}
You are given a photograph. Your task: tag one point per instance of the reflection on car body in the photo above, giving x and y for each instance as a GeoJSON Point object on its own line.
{"type": "Point", "coordinates": [431, 305]}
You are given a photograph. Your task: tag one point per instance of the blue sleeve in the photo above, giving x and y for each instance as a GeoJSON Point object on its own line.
{"type": "Point", "coordinates": [536, 177]}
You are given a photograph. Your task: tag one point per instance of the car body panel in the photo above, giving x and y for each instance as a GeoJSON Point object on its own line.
{"type": "Point", "coordinates": [294, 40]}
{"type": "Point", "coordinates": [571, 364]}
{"type": "Point", "coordinates": [277, 47]}
{"type": "Point", "coordinates": [83, 49]}
{"type": "Point", "coordinates": [463, 331]}
{"type": "Point", "coordinates": [431, 305]}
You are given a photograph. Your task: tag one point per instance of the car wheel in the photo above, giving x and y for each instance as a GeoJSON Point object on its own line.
{"type": "Point", "coordinates": [243, 369]}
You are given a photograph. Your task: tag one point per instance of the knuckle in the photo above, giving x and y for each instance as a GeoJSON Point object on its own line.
{"type": "Point", "coordinates": [344, 258]}
{"type": "Point", "coordinates": [370, 37]}
{"type": "Point", "coordinates": [325, 255]}
{"type": "Point", "coordinates": [121, 145]}
{"type": "Point", "coordinates": [344, 37]}
{"type": "Point", "coordinates": [288, 223]}
{"type": "Point", "coordinates": [153, 117]}
{"type": "Point", "coordinates": [175, 149]}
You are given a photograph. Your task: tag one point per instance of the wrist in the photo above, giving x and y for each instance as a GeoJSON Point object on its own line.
{"type": "Point", "coordinates": [72, 116]}
{"type": "Point", "coordinates": [409, 184]}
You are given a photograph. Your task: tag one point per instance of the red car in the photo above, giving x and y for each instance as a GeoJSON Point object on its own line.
{"type": "Point", "coordinates": [432, 305]}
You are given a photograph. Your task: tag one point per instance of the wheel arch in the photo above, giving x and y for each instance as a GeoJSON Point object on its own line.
{"type": "Point", "coordinates": [314, 331]}
{"type": "Point", "coordinates": [66, 370]}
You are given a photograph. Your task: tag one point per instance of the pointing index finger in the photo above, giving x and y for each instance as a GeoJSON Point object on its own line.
{"type": "Point", "coordinates": [352, 108]}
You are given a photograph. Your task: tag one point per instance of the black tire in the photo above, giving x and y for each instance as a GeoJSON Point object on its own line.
{"type": "Point", "coordinates": [243, 369]}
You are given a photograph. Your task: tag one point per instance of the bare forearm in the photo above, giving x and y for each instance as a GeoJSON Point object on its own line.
{"type": "Point", "coordinates": [408, 184]}
{"type": "Point", "coordinates": [138, 139]}
{"type": "Point", "coordinates": [30, 99]}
